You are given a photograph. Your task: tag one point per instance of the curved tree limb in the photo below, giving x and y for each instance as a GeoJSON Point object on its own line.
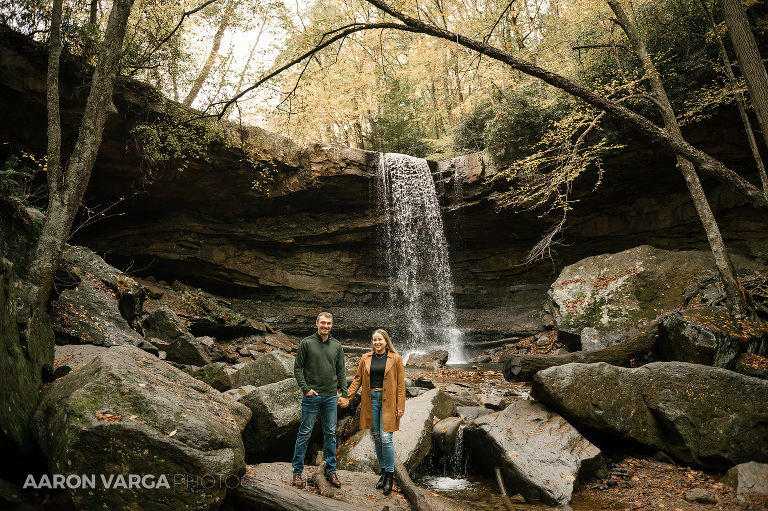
{"type": "Point", "coordinates": [707, 164]}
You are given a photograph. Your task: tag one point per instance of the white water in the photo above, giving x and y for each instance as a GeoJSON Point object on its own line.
{"type": "Point", "coordinates": [416, 252]}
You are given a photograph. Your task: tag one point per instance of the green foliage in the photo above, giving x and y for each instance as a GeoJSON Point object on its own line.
{"type": "Point", "coordinates": [17, 180]}
{"type": "Point", "coordinates": [170, 142]}
{"type": "Point", "coordinates": [396, 128]}
{"type": "Point", "coordinates": [518, 119]}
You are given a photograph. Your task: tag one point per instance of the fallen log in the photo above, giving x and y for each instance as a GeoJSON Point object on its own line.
{"type": "Point", "coordinates": [413, 493]}
{"type": "Point", "coordinates": [523, 367]}
{"type": "Point", "coordinates": [256, 494]}
{"type": "Point", "coordinates": [494, 344]}
{"type": "Point", "coordinates": [503, 489]}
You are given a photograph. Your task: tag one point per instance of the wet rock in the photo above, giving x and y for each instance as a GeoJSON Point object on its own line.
{"type": "Point", "coordinates": [702, 415]}
{"type": "Point", "coordinates": [431, 361]}
{"type": "Point", "coordinates": [172, 336]}
{"type": "Point", "coordinates": [126, 412]}
{"type": "Point", "coordinates": [446, 432]}
{"type": "Point", "coordinates": [748, 477]}
{"type": "Point", "coordinates": [271, 433]}
{"type": "Point", "coordinates": [541, 455]}
{"type": "Point", "coordinates": [709, 336]}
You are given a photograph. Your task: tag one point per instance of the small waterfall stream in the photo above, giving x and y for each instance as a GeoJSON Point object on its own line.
{"type": "Point", "coordinates": [416, 252]}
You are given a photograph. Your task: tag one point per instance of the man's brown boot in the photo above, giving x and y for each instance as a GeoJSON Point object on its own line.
{"type": "Point", "coordinates": [298, 481]}
{"type": "Point", "coordinates": [333, 479]}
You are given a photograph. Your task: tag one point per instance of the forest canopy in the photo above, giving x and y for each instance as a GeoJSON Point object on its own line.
{"type": "Point", "coordinates": [398, 91]}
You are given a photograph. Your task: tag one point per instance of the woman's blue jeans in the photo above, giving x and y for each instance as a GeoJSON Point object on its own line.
{"type": "Point", "coordinates": [385, 449]}
{"type": "Point", "coordinates": [310, 407]}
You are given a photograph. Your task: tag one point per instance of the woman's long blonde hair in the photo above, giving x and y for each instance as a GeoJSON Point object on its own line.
{"type": "Point", "coordinates": [385, 335]}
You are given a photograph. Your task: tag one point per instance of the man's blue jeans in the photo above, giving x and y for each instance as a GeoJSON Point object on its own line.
{"type": "Point", "coordinates": [385, 449]}
{"type": "Point", "coordinates": [310, 407]}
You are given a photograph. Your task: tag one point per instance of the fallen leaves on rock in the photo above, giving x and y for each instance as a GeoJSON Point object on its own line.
{"type": "Point", "coordinates": [107, 416]}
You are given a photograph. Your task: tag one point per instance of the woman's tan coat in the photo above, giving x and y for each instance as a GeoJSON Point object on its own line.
{"type": "Point", "coordinates": [393, 396]}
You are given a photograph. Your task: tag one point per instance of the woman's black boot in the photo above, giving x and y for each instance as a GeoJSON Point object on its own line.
{"type": "Point", "coordinates": [380, 483]}
{"type": "Point", "coordinates": [388, 480]}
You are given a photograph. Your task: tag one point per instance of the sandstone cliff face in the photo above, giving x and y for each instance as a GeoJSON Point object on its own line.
{"type": "Point", "coordinates": [313, 238]}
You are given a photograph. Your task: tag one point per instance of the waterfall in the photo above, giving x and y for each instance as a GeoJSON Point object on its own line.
{"type": "Point", "coordinates": [416, 252]}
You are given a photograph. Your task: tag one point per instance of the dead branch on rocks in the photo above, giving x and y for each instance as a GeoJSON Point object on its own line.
{"type": "Point", "coordinates": [413, 493]}
{"type": "Point", "coordinates": [523, 367]}
{"type": "Point", "coordinates": [504, 494]}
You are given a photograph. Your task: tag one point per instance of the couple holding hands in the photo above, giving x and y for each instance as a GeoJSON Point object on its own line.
{"type": "Point", "coordinates": [320, 370]}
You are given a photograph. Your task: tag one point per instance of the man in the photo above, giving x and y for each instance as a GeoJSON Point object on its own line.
{"type": "Point", "coordinates": [319, 369]}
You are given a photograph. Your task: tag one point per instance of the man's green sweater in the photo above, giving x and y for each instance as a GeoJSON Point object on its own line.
{"type": "Point", "coordinates": [320, 366]}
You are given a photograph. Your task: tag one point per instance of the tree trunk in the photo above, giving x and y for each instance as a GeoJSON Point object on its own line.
{"type": "Point", "coordinates": [64, 199]}
{"type": "Point", "coordinates": [733, 290]}
{"type": "Point", "coordinates": [52, 92]}
{"type": "Point", "coordinates": [211, 60]}
{"type": "Point", "coordinates": [750, 62]}
{"type": "Point", "coordinates": [413, 493]}
{"type": "Point", "coordinates": [739, 99]}
{"type": "Point", "coordinates": [523, 367]}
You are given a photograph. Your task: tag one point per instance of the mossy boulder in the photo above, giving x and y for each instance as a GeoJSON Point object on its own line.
{"type": "Point", "coordinates": [128, 413]}
{"type": "Point", "coordinates": [616, 293]}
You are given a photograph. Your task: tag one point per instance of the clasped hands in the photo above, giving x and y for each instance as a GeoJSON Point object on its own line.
{"type": "Point", "coordinates": [343, 401]}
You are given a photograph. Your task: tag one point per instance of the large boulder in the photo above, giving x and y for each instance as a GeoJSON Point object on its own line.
{"type": "Point", "coordinates": [215, 375]}
{"type": "Point", "coordinates": [612, 293]}
{"type": "Point", "coordinates": [273, 367]}
{"type": "Point", "coordinates": [709, 336]}
{"type": "Point", "coordinates": [125, 414]}
{"type": "Point", "coordinates": [542, 456]}
{"type": "Point", "coordinates": [166, 331]}
{"type": "Point", "coordinates": [702, 415]}
{"type": "Point", "coordinates": [431, 361]}
{"type": "Point", "coordinates": [26, 346]}
{"type": "Point", "coordinates": [412, 442]}
{"type": "Point", "coordinates": [271, 433]}
{"type": "Point", "coordinates": [748, 477]}
{"type": "Point", "coordinates": [90, 314]}
{"type": "Point", "coordinates": [84, 264]}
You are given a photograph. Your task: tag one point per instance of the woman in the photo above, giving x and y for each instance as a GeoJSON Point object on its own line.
{"type": "Point", "coordinates": [383, 401]}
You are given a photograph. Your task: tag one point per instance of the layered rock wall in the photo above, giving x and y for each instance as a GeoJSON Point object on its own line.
{"type": "Point", "coordinates": [310, 237]}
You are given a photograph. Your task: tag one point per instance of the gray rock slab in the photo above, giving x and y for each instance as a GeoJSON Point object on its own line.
{"type": "Point", "coordinates": [90, 314]}
{"type": "Point", "coordinates": [702, 415]}
{"type": "Point", "coordinates": [542, 456]}
{"type": "Point", "coordinates": [748, 477]}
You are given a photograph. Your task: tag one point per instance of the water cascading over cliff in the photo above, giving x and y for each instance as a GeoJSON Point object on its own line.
{"type": "Point", "coordinates": [414, 245]}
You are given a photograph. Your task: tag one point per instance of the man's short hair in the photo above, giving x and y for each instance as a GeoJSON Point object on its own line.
{"type": "Point", "coordinates": [325, 315]}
